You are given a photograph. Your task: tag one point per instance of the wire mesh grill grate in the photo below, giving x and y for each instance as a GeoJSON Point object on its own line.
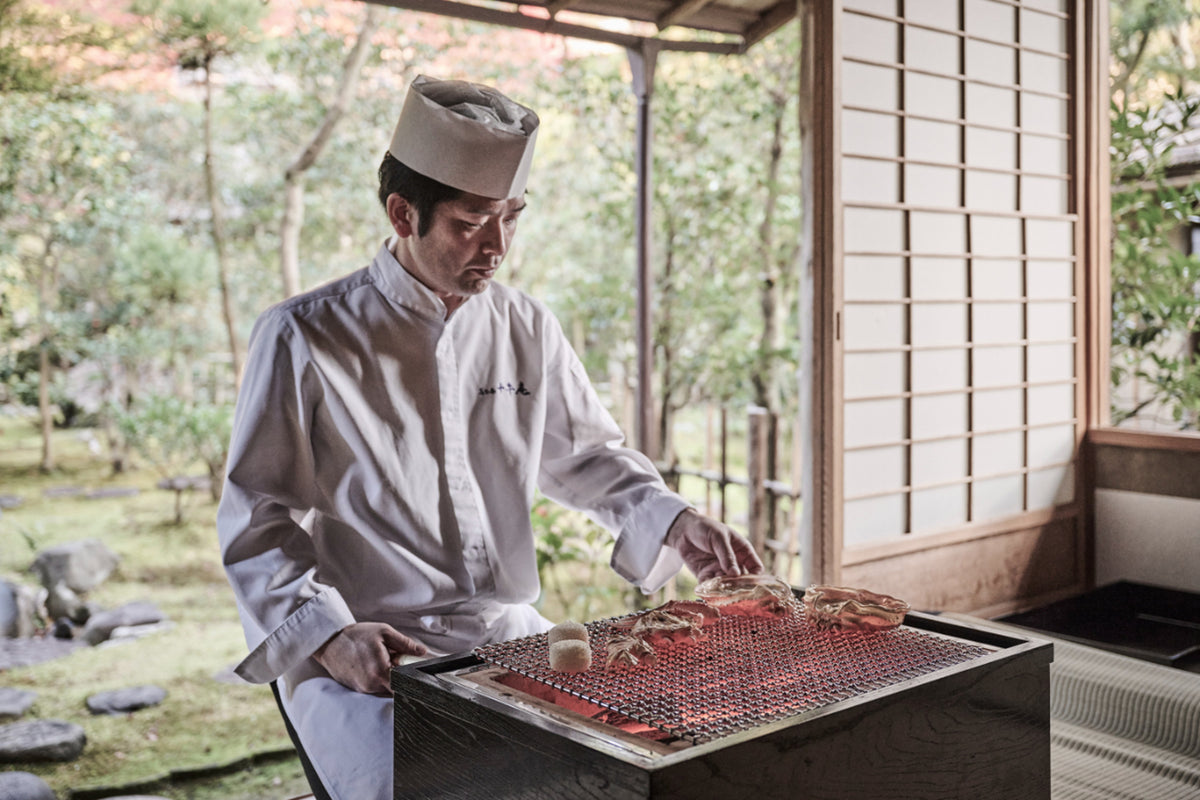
{"type": "Point", "coordinates": [746, 671]}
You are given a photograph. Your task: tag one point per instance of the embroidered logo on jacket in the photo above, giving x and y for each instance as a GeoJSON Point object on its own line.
{"type": "Point", "coordinates": [504, 388]}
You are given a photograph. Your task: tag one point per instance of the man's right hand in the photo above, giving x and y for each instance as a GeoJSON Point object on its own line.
{"type": "Point", "coordinates": [360, 656]}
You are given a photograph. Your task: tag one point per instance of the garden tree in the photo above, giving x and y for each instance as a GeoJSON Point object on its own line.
{"type": "Point", "coordinates": [199, 33]}
{"type": "Point", "coordinates": [149, 326]}
{"type": "Point", "coordinates": [53, 49]}
{"type": "Point", "coordinates": [173, 433]}
{"type": "Point", "coordinates": [1151, 44]}
{"type": "Point", "coordinates": [293, 184]}
{"type": "Point", "coordinates": [59, 209]}
{"type": "Point", "coordinates": [1155, 286]}
{"type": "Point", "coordinates": [772, 78]}
{"type": "Point", "coordinates": [21, 70]}
{"type": "Point", "coordinates": [575, 246]}
{"type": "Point", "coordinates": [712, 184]}
{"type": "Point", "coordinates": [342, 220]}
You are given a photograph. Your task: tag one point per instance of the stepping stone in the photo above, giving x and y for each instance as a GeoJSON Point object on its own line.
{"type": "Point", "coordinates": [41, 740]}
{"type": "Point", "coordinates": [111, 492]}
{"type": "Point", "coordinates": [100, 626]}
{"type": "Point", "coordinates": [15, 702]}
{"type": "Point", "coordinates": [185, 483]}
{"type": "Point", "coordinates": [63, 491]}
{"type": "Point", "coordinates": [8, 501]}
{"type": "Point", "coordinates": [17, 616]}
{"type": "Point", "coordinates": [27, 652]}
{"type": "Point", "coordinates": [24, 786]}
{"type": "Point", "coordinates": [124, 701]}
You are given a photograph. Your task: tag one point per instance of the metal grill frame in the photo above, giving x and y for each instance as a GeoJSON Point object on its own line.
{"type": "Point", "coordinates": [744, 672]}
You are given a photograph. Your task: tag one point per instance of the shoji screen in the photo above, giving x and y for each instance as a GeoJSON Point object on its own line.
{"type": "Point", "coordinates": [958, 341]}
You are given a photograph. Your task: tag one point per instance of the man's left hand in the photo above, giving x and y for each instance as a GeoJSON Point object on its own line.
{"type": "Point", "coordinates": [710, 548]}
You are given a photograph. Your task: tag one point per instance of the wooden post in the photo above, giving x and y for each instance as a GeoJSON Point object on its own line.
{"type": "Point", "coordinates": [724, 458]}
{"type": "Point", "coordinates": [708, 453]}
{"type": "Point", "coordinates": [757, 431]}
{"type": "Point", "coordinates": [642, 61]}
{"type": "Point", "coordinates": [771, 513]}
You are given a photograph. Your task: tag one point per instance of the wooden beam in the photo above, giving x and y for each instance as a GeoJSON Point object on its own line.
{"type": "Point", "coordinates": [679, 11]}
{"type": "Point", "coordinates": [514, 19]}
{"type": "Point", "coordinates": [772, 20]}
{"type": "Point", "coordinates": [1171, 473]}
{"type": "Point", "coordinates": [555, 6]}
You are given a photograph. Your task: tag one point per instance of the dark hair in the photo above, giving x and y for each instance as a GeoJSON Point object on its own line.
{"type": "Point", "coordinates": [421, 191]}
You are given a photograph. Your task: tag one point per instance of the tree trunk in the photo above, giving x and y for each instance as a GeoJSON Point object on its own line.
{"type": "Point", "coordinates": [218, 225]}
{"type": "Point", "coordinates": [293, 192]}
{"type": "Point", "coordinates": [766, 377]}
{"type": "Point", "coordinates": [46, 286]}
{"type": "Point", "coordinates": [664, 448]}
{"type": "Point", "coordinates": [44, 409]}
{"type": "Point", "coordinates": [1120, 84]}
{"type": "Point", "coordinates": [1181, 39]}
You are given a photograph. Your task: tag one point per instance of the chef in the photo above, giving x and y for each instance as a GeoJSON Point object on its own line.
{"type": "Point", "coordinates": [391, 431]}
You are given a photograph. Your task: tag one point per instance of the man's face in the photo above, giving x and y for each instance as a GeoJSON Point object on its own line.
{"type": "Point", "coordinates": [466, 241]}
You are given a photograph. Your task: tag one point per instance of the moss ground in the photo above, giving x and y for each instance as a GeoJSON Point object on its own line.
{"type": "Point", "coordinates": [204, 723]}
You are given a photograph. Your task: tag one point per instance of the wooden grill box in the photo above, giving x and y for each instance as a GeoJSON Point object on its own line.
{"type": "Point", "coordinates": [977, 730]}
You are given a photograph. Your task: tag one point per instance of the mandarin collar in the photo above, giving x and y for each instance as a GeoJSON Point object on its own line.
{"type": "Point", "coordinates": [399, 285]}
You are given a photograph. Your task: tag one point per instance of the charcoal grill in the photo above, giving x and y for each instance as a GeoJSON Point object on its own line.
{"type": "Point", "coordinates": [759, 708]}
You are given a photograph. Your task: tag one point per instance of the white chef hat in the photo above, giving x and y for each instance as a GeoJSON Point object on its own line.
{"type": "Point", "coordinates": [467, 136]}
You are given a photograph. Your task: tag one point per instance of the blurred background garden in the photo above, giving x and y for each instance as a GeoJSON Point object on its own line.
{"type": "Point", "coordinates": [170, 168]}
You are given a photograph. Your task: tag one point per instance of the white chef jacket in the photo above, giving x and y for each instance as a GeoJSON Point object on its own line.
{"type": "Point", "coordinates": [384, 460]}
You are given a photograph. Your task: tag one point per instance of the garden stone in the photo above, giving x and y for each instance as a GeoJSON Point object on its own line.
{"type": "Point", "coordinates": [16, 610]}
{"type": "Point", "coordinates": [24, 786]}
{"type": "Point", "coordinates": [101, 626]}
{"type": "Point", "coordinates": [63, 629]}
{"type": "Point", "coordinates": [127, 633]}
{"type": "Point", "coordinates": [63, 603]}
{"type": "Point", "coordinates": [10, 501]}
{"type": "Point", "coordinates": [80, 566]}
{"type": "Point", "coordinates": [125, 701]}
{"type": "Point", "coordinates": [55, 492]}
{"type": "Point", "coordinates": [41, 740]}
{"type": "Point", "coordinates": [14, 703]}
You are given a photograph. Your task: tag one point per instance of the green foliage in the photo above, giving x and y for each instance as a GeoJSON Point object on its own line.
{"type": "Point", "coordinates": [19, 72]}
{"type": "Point", "coordinates": [61, 188]}
{"type": "Point", "coordinates": [572, 557]}
{"type": "Point", "coordinates": [717, 244]}
{"type": "Point", "coordinates": [174, 434]}
{"type": "Point", "coordinates": [1155, 287]}
{"type": "Point", "coordinates": [1145, 45]}
{"type": "Point", "coordinates": [43, 47]}
{"type": "Point", "coordinates": [200, 30]}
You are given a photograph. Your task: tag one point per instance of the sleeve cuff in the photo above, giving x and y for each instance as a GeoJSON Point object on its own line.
{"type": "Point", "coordinates": [639, 555]}
{"type": "Point", "coordinates": [296, 638]}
